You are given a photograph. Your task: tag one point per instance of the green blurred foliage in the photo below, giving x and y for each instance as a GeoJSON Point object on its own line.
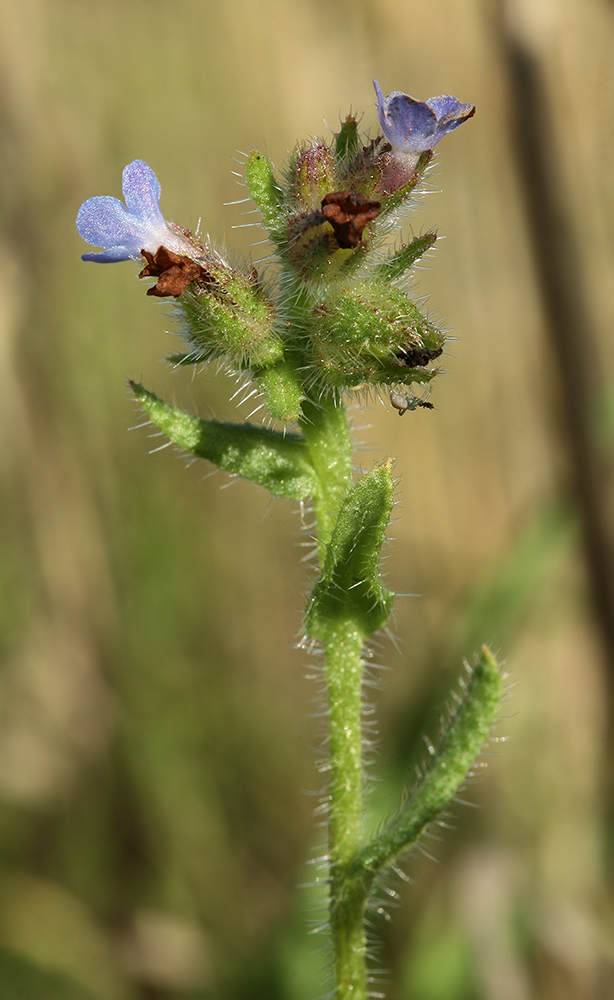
{"type": "Point", "coordinates": [154, 741]}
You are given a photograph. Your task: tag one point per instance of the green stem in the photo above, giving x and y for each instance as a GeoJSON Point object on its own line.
{"type": "Point", "coordinates": [326, 433]}
{"type": "Point", "coordinates": [325, 429]}
{"type": "Point", "coordinates": [343, 672]}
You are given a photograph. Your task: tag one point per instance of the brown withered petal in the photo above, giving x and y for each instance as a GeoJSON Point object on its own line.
{"type": "Point", "coordinates": [348, 214]}
{"type": "Point", "coordinates": [173, 271]}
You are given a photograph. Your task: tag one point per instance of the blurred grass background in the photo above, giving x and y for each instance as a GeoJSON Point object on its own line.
{"type": "Point", "coordinates": [155, 748]}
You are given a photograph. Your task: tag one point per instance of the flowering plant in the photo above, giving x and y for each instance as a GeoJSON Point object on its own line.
{"type": "Point", "coordinates": [330, 318]}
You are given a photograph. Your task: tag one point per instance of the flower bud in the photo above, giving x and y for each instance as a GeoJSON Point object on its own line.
{"type": "Point", "coordinates": [373, 334]}
{"type": "Point", "coordinates": [313, 174]}
{"type": "Point", "coordinates": [229, 315]}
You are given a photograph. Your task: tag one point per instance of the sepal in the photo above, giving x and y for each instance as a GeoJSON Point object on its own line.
{"type": "Point", "coordinates": [330, 243]}
{"type": "Point", "coordinates": [264, 190]}
{"type": "Point", "coordinates": [373, 171]}
{"type": "Point", "coordinates": [406, 256]}
{"type": "Point", "coordinates": [347, 142]}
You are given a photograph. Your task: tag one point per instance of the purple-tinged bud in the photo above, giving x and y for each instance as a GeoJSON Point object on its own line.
{"type": "Point", "coordinates": [313, 174]}
{"type": "Point", "coordinates": [398, 176]}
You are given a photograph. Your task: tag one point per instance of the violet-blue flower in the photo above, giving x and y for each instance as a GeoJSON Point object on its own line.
{"type": "Point", "coordinates": [125, 230]}
{"type": "Point", "coordinates": [412, 127]}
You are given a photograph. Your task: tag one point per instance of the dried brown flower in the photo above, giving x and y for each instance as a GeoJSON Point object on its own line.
{"type": "Point", "coordinates": [173, 271]}
{"type": "Point", "coordinates": [348, 214]}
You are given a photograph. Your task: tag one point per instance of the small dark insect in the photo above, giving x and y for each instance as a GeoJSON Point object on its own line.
{"type": "Point", "coordinates": [404, 403]}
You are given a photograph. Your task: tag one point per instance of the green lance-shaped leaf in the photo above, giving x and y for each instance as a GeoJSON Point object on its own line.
{"type": "Point", "coordinates": [462, 740]}
{"type": "Point", "coordinates": [264, 189]}
{"type": "Point", "coordinates": [350, 589]}
{"type": "Point", "coordinates": [279, 462]}
{"type": "Point", "coordinates": [400, 262]}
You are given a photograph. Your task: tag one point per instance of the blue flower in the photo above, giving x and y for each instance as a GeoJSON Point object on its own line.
{"type": "Point", "coordinates": [125, 230]}
{"type": "Point", "coordinates": [412, 127]}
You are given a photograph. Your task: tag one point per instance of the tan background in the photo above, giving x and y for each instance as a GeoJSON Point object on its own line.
{"type": "Point", "coordinates": [154, 740]}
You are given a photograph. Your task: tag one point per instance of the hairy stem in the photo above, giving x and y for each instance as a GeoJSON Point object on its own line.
{"type": "Point", "coordinates": [343, 670]}
{"type": "Point", "coordinates": [326, 433]}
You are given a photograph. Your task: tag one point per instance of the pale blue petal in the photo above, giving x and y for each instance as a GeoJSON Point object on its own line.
{"type": "Point", "coordinates": [125, 230]}
{"type": "Point", "coordinates": [110, 256]}
{"type": "Point", "coordinates": [141, 190]}
{"type": "Point", "coordinates": [104, 222]}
